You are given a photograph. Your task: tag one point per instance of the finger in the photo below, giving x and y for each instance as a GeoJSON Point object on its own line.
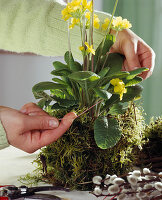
{"type": "Point", "coordinates": [32, 109]}
{"type": "Point", "coordinates": [132, 59]}
{"type": "Point", "coordinates": [49, 136]}
{"type": "Point", "coordinates": [39, 123]}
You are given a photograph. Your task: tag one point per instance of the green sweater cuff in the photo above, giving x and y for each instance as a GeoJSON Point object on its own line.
{"type": "Point", "coordinates": [3, 139]}
{"type": "Point", "coordinates": [37, 26]}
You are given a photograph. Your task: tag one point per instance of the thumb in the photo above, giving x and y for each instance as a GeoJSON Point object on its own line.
{"type": "Point", "coordinates": [40, 123]}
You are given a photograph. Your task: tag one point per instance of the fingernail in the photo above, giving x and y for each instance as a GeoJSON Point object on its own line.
{"type": "Point", "coordinates": [32, 114]}
{"type": "Point", "coordinates": [71, 118]}
{"type": "Point", "coordinates": [53, 123]}
{"type": "Point", "coordinates": [134, 68]}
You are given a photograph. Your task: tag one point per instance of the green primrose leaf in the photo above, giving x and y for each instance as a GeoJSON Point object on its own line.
{"type": "Point", "coordinates": [103, 72]}
{"type": "Point", "coordinates": [106, 132]}
{"type": "Point", "coordinates": [57, 80]}
{"type": "Point", "coordinates": [105, 80]}
{"type": "Point", "coordinates": [84, 76]}
{"type": "Point", "coordinates": [61, 72]}
{"type": "Point", "coordinates": [58, 65]}
{"type": "Point", "coordinates": [102, 93]}
{"type": "Point", "coordinates": [109, 41]}
{"type": "Point", "coordinates": [113, 100]}
{"type": "Point", "coordinates": [133, 81]}
{"type": "Point", "coordinates": [114, 62]}
{"type": "Point", "coordinates": [136, 72]}
{"type": "Point", "coordinates": [41, 103]}
{"type": "Point", "coordinates": [102, 49]}
{"type": "Point", "coordinates": [74, 66]}
{"type": "Point", "coordinates": [133, 92]}
{"type": "Point", "coordinates": [47, 86]}
{"type": "Point", "coordinates": [117, 109]}
{"type": "Point", "coordinates": [66, 103]}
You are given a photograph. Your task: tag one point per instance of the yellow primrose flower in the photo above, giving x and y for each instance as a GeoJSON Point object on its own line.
{"type": "Point", "coordinates": [88, 15]}
{"type": "Point", "coordinates": [74, 22]}
{"type": "Point", "coordinates": [120, 24]}
{"type": "Point", "coordinates": [66, 14]}
{"type": "Point", "coordinates": [81, 48]}
{"type": "Point", "coordinates": [96, 21]}
{"type": "Point", "coordinates": [87, 5]}
{"type": "Point", "coordinates": [106, 24]}
{"type": "Point", "coordinates": [89, 48]}
{"type": "Point", "coordinates": [119, 87]}
{"type": "Point", "coordinates": [73, 9]}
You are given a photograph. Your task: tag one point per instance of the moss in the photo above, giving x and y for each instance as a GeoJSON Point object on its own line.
{"type": "Point", "coordinates": [74, 159]}
{"type": "Point", "coordinates": [152, 151]}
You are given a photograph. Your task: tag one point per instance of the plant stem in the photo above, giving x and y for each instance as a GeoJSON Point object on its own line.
{"type": "Point", "coordinates": [113, 13]}
{"type": "Point", "coordinates": [109, 27]}
{"type": "Point", "coordinates": [91, 35]}
{"type": "Point", "coordinates": [69, 44]}
{"type": "Point", "coordinates": [86, 93]}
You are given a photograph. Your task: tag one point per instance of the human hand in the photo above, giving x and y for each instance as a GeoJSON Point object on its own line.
{"type": "Point", "coordinates": [137, 53]}
{"type": "Point", "coordinates": [31, 128]}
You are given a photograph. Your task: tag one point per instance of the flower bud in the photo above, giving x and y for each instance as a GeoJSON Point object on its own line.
{"type": "Point", "coordinates": [113, 189]}
{"type": "Point", "coordinates": [132, 180]}
{"type": "Point", "coordinates": [158, 186]}
{"type": "Point", "coordinates": [97, 180]}
{"type": "Point", "coordinates": [97, 191]}
{"type": "Point", "coordinates": [118, 181]}
{"type": "Point", "coordinates": [136, 173]}
{"type": "Point", "coordinates": [146, 171]}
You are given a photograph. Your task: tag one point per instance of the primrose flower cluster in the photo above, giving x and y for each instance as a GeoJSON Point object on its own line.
{"type": "Point", "coordinates": [139, 185]}
{"type": "Point", "coordinates": [80, 12]}
{"type": "Point", "coordinates": [119, 87]}
{"type": "Point", "coordinates": [76, 9]}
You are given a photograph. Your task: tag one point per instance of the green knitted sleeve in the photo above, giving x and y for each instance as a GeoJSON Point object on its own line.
{"type": "Point", "coordinates": [36, 26]}
{"type": "Point", "coordinates": [3, 139]}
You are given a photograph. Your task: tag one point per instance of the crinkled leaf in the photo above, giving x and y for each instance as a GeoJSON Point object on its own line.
{"type": "Point", "coordinates": [58, 65]}
{"type": "Point", "coordinates": [117, 109]}
{"type": "Point", "coordinates": [114, 62]}
{"type": "Point", "coordinates": [84, 76]}
{"type": "Point", "coordinates": [133, 81]}
{"type": "Point", "coordinates": [58, 106]}
{"type": "Point", "coordinates": [59, 81]}
{"type": "Point", "coordinates": [102, 93]}
{"type": "Point", "coordinates": [47, 86]}
{"type": "Point", "coordinates": [109, 41]}
{"type": "Point", "coordinates": [65, 102]}
{"type": "Point", "coordinates": [41, 103]}
{"type": "Point", "coordinates": [105, 80]}
{"type": "Point", "coordinates": [106, 132]}
{"type": "Point", "coordinates": [113, 100]}
{"type": "Point", "coordinates": [103, 72]}
{"type": "Point", "coordinates": [102, 49]}
{"type": "Point", "coordinates": [74, 66]}
{"type": "Point", "coordinates": [133, 92]}
{"type": "Point", "coordinates": [61, 72]}
{"type": "Point", "coordinates": [136, 72]}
